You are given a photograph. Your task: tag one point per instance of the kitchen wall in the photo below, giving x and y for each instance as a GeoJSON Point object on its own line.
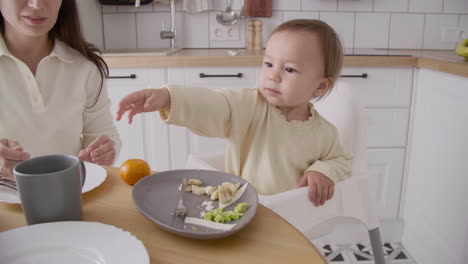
{"type": "Point", "coordinates": [382, 24]}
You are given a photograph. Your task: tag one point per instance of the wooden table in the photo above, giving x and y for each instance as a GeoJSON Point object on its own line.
{"type": "Point", "coordinates": [267, 239]}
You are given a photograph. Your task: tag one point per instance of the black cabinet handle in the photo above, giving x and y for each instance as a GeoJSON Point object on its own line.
{"type": "Point", "coordinates": [239, 75]}
{"type": "Point", "coordinates": [131, 76]}
{"type": "Point", "coordinates": [364, 75]}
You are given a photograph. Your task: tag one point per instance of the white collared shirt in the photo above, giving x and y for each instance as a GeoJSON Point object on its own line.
{"type": "Point", "coordinates": [49, 113]}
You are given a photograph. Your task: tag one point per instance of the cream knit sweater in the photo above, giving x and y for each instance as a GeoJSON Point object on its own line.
{"type": "Point", "coordinates": [263, 147]}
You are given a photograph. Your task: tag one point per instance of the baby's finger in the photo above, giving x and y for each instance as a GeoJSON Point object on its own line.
{"type": "Point", "coordinates": [324, 195]}
{"type": "Point", "coordinates": [318, 196]}
{"type": "Point", "coordinates": [121, 111]}
{"type": "Point", "coordinates": [331, 191]}
{"type": "Point", "coordinates": [302, 181]}
{"type": "Point", "coordinates": [312, 192]}
{"type": "Point", "coordinates": [132, 113]}
{"type": "Point", "coordinates": [126, 104]}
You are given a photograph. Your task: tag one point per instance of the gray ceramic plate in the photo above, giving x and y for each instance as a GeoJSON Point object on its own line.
{"type": "Point", "coordinates": [156, 196]}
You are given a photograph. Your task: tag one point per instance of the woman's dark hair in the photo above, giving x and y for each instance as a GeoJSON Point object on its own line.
{"type": "Point", "coordinates": [68, 29]}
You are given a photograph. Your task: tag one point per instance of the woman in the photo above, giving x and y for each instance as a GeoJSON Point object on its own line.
{"type": "Point", "coordinates": [53, 98]}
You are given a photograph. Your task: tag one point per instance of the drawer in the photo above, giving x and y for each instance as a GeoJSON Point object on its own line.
{"type": "Point", "coordinates": [385, 170]}
{"type": "Point", "coordinates": [387, 127]}
{"type": "Point", "coordinates": [122, 77]}
{"type": "Point", "coordinates": [248, 79]}
{"type": "Point", "coordinates": [383, 87]}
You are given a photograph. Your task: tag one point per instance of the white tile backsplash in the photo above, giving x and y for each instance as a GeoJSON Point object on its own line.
{"type": "Point", "coordinates": [372, 30]}
{"type": "Point", "coordinates": [320, 5]}
{"type": "Point", "coordinates": [221, 4]}
{"type": "Point", "coordinates": [132, 8]}
{"type": "Point", "coordinates": [166, 8]}
{"type": "Point", "coordinates": [433, 28]}
{"type": "Point", "coordinates": [456, 6]}
{"type": "Point", "coordinates": [148, 29]}
{"type": "Point", "coordinates": [119, 31]}
{"type": "Point", "coordinates": [390, 5]}
{"type": "Point", "coordinates": [353, 5]}
{"type": "Point", "coordinates": [287, 5]}
{"type": "Point", "coordinates": [405, 24]}
{"type": "Point", "coordinates": [289, 15]}
{"type": "Point", "coordinates": [269, 24]}
{"type": "Point", "coordinates": [193, 30]}
{"type": "Point", "coordinates": [343, 23]}
{"type": "Point", "coordinates": [406, 31]}
{"type": "Point", "coordinates": [426, 6]}
{"type": "Point", "coordinates": [464, 26]}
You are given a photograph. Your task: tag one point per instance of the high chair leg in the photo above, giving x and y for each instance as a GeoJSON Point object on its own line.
{"type": "Point", "coordinates": [377, 247]}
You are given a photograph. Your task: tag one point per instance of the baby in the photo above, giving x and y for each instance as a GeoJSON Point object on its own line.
{"type": "Point", "coordinates": [277, 141]}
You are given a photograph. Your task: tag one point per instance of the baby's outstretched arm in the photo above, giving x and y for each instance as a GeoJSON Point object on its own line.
{"type": "Point", "coordinates": [321, 188]}
{"type": "Point", "coordinates": [147, 100]}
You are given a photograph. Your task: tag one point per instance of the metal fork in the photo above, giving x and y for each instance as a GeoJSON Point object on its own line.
{"type": "Point", "coordinates": [181, 210]}
{"type": "Point", "coordinates": [8, 183]}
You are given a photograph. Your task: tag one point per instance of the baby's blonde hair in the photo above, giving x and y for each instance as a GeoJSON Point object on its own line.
{"type": "Point", "coordinates": [331, 47]}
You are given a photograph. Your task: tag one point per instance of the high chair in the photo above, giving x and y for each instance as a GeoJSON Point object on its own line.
{"type": "Point", "coordinates": [351, 200]}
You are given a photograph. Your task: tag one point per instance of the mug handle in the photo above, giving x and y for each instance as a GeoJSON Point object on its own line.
{"type": "Point", "coordinates": [83, 173]}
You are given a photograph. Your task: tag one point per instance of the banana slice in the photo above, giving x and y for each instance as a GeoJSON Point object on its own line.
{"type": "Point", "coordinates": [188, 188]}
{"type": "Point", "coordinates": [215, 195]}
{"type": "Point", "coordinates": [224, 195]}
{"type": "Point", "coordinates": [210, 190]}
{"type": "Point", "coordinates": [231, 188]}
{"type": "Point", "coordinates": [198, 190]}
{"type": "Point", "coordinates": [194, 182]}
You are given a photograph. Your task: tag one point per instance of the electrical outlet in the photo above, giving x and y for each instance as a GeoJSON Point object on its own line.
{"type": "Point", "coordinates": [451, 35]}
{"type": "Point", "coordinates": [219, 32]}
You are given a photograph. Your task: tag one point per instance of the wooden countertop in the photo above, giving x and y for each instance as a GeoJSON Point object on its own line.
{"type": "Point", "coordinates": [444, 61]}
{"type": "Point", "coordinates": [268, 238]}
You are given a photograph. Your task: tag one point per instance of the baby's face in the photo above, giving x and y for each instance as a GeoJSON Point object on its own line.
{"type": "Point", "coordinates": [292, 69]}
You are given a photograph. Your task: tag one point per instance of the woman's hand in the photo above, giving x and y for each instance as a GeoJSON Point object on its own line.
{"type": "Point", "coordinates": [11, 153]}
{"type": "Point", "coordinates": [101, 151]}
{"type": "Point", "coordinates": [147, 100]}
{"type": "Point", "coordinates": [321, 188]}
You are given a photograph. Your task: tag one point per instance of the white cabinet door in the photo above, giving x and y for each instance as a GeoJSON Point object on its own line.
{"type": "Point", "coordinates": [132, 136]}
{"type": "Point", "coordinates": [383, 87]}
{"type": "Point", "coordinates": [387, 127]}
{"type": "Point", "coordinates": [435, 204]}
{"type": "Point", "coordinates": [385, 168]}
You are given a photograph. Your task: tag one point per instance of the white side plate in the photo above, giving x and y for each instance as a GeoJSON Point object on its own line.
{"type": "Point", "coordinates": [72, 243]}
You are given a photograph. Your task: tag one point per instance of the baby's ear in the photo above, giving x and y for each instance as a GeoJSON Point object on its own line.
{"type": "Point", "coordinates": [323, 88]}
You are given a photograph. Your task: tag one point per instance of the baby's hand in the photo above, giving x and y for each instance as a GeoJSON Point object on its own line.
{"type": "Point", "coordinates": [147, 100]}
{"type": "Point", "coordinates": [321, 188]}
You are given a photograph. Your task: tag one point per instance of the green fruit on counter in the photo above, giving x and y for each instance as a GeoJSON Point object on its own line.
{"type": "Point", "coordinates": [462, 49]}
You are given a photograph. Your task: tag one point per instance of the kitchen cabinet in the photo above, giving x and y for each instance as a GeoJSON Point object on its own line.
{"type": "Point", "coordinates": [387, 100]}
{"type": "Point", "coordinates": [435, 201]}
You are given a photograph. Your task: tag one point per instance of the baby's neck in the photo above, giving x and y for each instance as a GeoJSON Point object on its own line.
{"type": "Point", "coordinates": [300, 113]}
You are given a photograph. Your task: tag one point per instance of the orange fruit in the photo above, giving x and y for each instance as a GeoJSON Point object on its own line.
{"type": "Point", "coordinates": [133, 170]}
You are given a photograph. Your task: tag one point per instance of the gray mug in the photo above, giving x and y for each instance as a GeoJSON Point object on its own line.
{"type": "Point", "coordinates": [50, 188]}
